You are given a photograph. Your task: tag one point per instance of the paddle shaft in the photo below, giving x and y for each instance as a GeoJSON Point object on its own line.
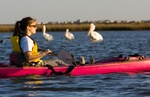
{"type": "Point", "coordinates": [1, 41]}
{"type": "Point", "coordinates": [51, 54]}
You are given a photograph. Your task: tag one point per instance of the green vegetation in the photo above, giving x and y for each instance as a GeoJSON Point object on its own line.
{"type": "Point", "coordinates": [85, 26]}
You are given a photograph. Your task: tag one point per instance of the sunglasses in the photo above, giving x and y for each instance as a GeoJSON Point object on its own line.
{"type": "Point", "coordinates": [33, 26]}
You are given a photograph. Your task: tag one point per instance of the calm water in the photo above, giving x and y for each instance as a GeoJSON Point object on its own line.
{"type": "Point", "coordinates": [110, 85]}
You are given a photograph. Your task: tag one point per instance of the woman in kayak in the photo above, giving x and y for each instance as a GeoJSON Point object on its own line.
{"type": "Point", "coordinates": [25, 49]}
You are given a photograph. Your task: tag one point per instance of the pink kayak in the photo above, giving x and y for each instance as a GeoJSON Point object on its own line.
{"type": "Point", "coordinates": [118, 65]}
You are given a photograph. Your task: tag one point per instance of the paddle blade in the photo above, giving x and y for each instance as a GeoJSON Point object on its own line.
{"type": "Point", "coordinates": [66, 56]}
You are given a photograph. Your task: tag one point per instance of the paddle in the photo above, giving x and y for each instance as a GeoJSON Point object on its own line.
{"type": "Point", "coordinates": [64, 55]}
{"type": "Point", "coordinates": [52, 54]}
{"type": "Point", "coordinates": [67, 57]}
{"type": "Point", "coordinates": [2, 41]}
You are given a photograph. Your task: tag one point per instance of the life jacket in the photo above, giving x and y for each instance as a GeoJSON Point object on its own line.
{"type": "Point", "coordinates": [17, 57]}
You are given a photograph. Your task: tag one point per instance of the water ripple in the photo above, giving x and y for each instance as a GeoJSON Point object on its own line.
{"type": "Point", "coordinates": [110, 85]}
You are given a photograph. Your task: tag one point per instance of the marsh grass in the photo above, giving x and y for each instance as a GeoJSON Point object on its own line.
{"type": "Point", "coordinates": [84, 27]}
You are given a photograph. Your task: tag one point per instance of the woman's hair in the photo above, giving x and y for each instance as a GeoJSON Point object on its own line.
{"type": "Point", "coordinates": [22, 25]}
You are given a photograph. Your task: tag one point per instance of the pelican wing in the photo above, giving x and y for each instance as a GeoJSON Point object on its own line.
{"type": "Point", "coordinates": [69, 35]}
{"type": "Point", "coordinates": [96, 36]}
{"type": "Point", "coordinates": [48, 37]}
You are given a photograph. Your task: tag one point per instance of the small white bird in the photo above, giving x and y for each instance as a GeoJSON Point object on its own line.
{"type": "Point", "coordinates": [95, 36]}
{"type": "Point", "coordinates": [69, 35]}
{"type": "Point", "coordinates": [47, 36]}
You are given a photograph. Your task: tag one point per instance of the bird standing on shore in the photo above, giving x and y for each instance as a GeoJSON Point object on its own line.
{"type": "Point", "coordinates": [69, 35]}
{"type": "Point", "coordinates": [47, 36]}
{"type": "Point", "coordinates": [95, 36]}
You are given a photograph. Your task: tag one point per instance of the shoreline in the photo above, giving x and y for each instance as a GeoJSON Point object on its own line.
{"type": "Point", "coordinates": [83, 27]}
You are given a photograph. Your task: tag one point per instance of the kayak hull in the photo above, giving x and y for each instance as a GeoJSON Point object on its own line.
{"type": "Point", "coordinates": [100, 67]}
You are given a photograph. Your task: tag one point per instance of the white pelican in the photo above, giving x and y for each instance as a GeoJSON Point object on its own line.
{"type": "Point", "coordinates": [69, 35]}
{"type": "Point", "coordinates": [47, 36]}
{"type": "Point", "coordinates": [95, 36]}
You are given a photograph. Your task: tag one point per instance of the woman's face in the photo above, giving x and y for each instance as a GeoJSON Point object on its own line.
{"type": "Point", "coordinates": [32, 28]}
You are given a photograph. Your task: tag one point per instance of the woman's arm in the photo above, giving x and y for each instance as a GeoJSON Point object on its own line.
{"type": "Point", "coordinates": [31, 58]}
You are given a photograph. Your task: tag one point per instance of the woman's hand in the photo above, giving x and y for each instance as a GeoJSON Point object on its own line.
{"type": "Point", "coordinates": [47, 52]}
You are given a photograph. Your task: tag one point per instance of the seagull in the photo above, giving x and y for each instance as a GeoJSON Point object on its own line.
{"type": "Point", "coordinates": [47, 36]}
{"type": "Point", "coordinates": [69, 35]}
{"type": "Point", "coordinates": [95, 36]}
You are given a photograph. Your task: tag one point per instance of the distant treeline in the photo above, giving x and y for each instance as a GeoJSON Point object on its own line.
{"type": "Point", "coordinates": [83, 27]}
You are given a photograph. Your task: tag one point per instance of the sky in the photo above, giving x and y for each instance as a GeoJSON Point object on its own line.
{"type": "Point", "coordinates": [71, 10]}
